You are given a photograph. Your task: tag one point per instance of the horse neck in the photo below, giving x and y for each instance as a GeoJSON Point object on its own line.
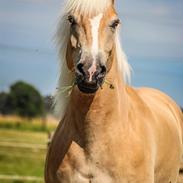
{"type": "Point", "coordinates": [93, 115]}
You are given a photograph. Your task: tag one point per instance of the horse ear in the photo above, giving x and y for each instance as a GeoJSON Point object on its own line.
{"type": "Point", "coordinates": [69, 59]}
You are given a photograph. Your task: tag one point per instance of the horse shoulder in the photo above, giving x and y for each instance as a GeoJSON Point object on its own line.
{"type": "Point", "coordinates": [160, 101]}
{"type": "Point", "coordinates": [163, 119]}
{"type": "Point", "coordinates": [57, 150]}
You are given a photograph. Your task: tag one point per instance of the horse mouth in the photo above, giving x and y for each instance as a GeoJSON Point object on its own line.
{"type": "Point", "coordinates": [88, 88]}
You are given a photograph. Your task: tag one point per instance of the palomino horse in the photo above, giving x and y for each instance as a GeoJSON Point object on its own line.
{"type": "Point", "coordinates": [109, 132]}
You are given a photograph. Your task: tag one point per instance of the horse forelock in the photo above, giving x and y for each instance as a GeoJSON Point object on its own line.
{"type": "Point", "coordinates": [87, 7]}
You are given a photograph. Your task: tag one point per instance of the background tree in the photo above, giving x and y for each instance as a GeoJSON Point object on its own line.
{"type": "Point", "coordinates": [26, 100]}
{"type": "Point", "coordinates": [4, 103]}
{"type": "Point", "coordinates": [23, 99]}
{"type": "Point", "coordinates": [48, 104]}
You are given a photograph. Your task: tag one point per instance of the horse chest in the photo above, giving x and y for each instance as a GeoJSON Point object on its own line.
{"type": "Point", "coordinates": [77, 168]}
{"type": "Point", "coordinates": [94, 175]}
{"type": "Point", "coordinates": [85, 173]}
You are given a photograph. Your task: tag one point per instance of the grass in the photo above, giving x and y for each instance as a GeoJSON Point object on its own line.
{"type": "Point", "coordinates": [24, 162]}
{"type": "Point", "coordinates": [23, 124]}
{"type": "Point", "coordinates": [23, 136]}
{"type": "Point", "coordinates": [20, 181]}
{"type": "Point", "coordinates": [22, 150]}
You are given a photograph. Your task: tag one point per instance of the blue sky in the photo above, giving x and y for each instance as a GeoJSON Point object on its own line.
{"type": "Point", "coordinates": [152, 36]}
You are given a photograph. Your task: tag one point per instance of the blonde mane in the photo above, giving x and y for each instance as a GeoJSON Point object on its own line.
{"type": "Point", "coordinates": [66, 78]}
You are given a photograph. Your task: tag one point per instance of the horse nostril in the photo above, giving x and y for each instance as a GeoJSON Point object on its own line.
{"type": "Point", "coordinates": [103, 69]}
{"type": "Point", "coordinates": [80, 68]}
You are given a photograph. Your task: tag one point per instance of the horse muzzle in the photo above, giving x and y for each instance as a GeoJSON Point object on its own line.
{"type": "Point", "coordinates": [90, 78]}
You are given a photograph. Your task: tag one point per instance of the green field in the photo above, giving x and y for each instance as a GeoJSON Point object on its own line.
{"type": "Point", "coordinates": [22, 155]}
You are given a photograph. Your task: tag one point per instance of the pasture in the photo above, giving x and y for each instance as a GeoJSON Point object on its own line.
{"type": "Point", "coordinates": [23, 147]}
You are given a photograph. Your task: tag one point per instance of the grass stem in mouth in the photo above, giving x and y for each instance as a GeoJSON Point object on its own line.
{"type": "Point", "coordinates": [111, 86]}
{"type": "Point", "coordinates": [68, 89]}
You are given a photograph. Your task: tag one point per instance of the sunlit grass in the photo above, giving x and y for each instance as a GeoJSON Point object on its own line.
{"type": "Point", "coordinates": [23, 146]}
{"type": "Point", "coordinates": [20, 161]}
{"type": "Point", "coordinates": [7, 135]}
{"type": "Point", "coordinates": [24, 124]}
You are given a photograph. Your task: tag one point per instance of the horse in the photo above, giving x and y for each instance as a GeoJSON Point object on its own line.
{"type": "Point", "coordinates": [109, 131]}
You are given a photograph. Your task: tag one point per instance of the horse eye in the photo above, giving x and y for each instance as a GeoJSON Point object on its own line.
{"type": "Point", "coordinates": [71, 20]}
{"type": "Point", "coordinates": [115, 23]}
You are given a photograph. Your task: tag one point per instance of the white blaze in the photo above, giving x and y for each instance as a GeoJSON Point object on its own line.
{"type": "Point", "coordinates": [95, 24]}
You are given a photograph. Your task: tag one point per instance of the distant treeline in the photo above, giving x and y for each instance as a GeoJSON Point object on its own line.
{"type": "Point", "coordinates": [24, 100]}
